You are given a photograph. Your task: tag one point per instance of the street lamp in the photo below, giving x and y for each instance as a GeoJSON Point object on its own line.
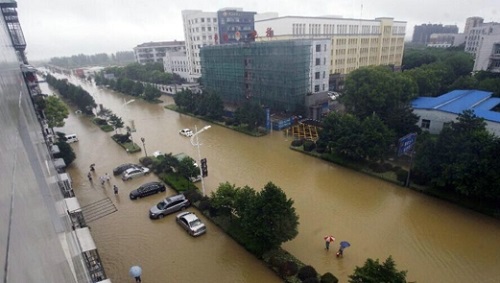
{"type": "Point", "coordinates": [197, 144]}
{"type": "Point", "coordinates": [143, 140]}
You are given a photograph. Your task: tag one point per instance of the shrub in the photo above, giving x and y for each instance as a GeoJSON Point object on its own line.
{"type": "Point", "coordinates": [377, 167]}
{"type": "Point", "coordinates": [329, 278]}
{"type": "Point", "coordinates": [193, 195]}
{"type": "Point", "coordinates": [204, 204]}
{"type": "Point", "coordinates": [307, 272]}
{"type": "Point", "coordinates": [311, 280]}
{"type": "Point", "coordinates": [288, 268]}
{"type": "Point", "coordinates": [297, 143]}
{"type": "Point", "coordinates": [387, 166]}
{"type": "Point", "coordinates": [309, 145]}
{"type": "Point", "coordinates": [100, 122]}
{"type": "Point", "coordinates": [146, 161]}
{"type": "Point", "coordinates": [276, 261]}
{"type": "Point", "coordinates": [320, 149]}
{"type": "Point", "coordinates": [396, 168]}
{"type": "Point", "coordinates": [402, 174]}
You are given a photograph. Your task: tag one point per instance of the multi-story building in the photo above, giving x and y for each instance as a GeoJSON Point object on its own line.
{"type": "Point", "coordinates": [155, 51]}
{"type": "Point", "coordinates": [422, 33]}
{"type": "Point", "coordinates": [277, 74]}
{"type": "Point", "coordinates": [202, 29]}
{"type": "Point", "coordinates": [483, 42]}
{"type": "Point", "coordinates": [471, 23]}
{"type": "Point", "coordinates": [354, 42]}
{"type": "Point", "coordinates": [43, 235]}
{"type": "Point", "coordinates": [445, 40]}
{"type": "Point", "coordinates": [176, 62]}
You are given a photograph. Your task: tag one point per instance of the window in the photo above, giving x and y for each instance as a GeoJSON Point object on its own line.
{"type": "Point", "coordinates": [202, 20]}
{"type": "Point", "coordinates": [318, 47]}
{"type": "Point", "coordinates": [425, 124]}
{"type": "Point", "coordinates": [316, 88]}
{"type": "Point", "coordinates": [318, 61]}
{"type": "Point", "coordinates": [317, 75]}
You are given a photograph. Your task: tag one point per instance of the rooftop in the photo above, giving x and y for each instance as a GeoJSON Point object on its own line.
{"type": "Point", "coordinates": [457, 101]}
{"type": "Point", "coordinates": [161, 43]}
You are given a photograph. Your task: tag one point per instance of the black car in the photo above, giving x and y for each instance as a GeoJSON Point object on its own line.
{"type": "Point", "coordinates": [147, 189]}
{"type": "Point", "coordinates": [120, 169]}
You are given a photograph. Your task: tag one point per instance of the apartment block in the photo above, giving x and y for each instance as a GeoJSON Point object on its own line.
{"type": "Point", "coordinates": [422, 33]}
{"type": "Point", "coordinates": [483, 42]}
{"type": "Point", "coordinates": [155, 51]}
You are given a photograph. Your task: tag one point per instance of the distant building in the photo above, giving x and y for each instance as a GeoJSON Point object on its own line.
{"type": "Point", "coordinates": [277, 74]}
{"type": "Point", "coordinates": [422, 33]}
{"type": "Point", "coordinates": [202, 29]}
{"type": "Point", "coordinates": [445, 40]}
{"type": "Point", "coordinates": [177, 62]}
{"type": "Point", "coordinates": [155, 51]}
{"type": "Point", "coordinates": [483, 42]}
{"type": "Point", "coordinates": [354, 42]}
{"type": "Point", "coordinates": [437, 112]}
{"type": "Point", "coordinates": [471, 23]}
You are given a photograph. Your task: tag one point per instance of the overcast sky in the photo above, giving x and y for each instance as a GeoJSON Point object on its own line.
{"type": "Point", "coordinates": [59, 28]}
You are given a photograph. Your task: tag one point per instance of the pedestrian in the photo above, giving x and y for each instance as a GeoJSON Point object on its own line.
{"type": "Point", "coordinates": [107, 177]}
{"type": "Point", "coordinates": [115, 189]}
{"type": "Point", "coordinates": [92, 169]}
{"type": "Point", "coordinates": [327, 244]}
{"type": "Point", "coordinates": [103, 180]}
{"type": "Point", "coordinates": [340, 253]}
{"type": "Point", "coordinates": [138, 279]}
{"type": "Point", "coordinates": [89, 176]}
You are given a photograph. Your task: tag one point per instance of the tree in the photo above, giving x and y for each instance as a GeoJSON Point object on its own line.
{"type": "Point", "coordinates": [116, 122]}
{"type": "Point", "coordinates": [268, 220]}
{"type": "Point", "coordinates": [251, 114]}
{"type": "Point", "coordinates": [65, 152]}
{"type": "Point", "coordinates": [151, 93]}
{"type": "Point", "coordinates": [55, 112]}
{"type": "Point", "coordinates": [137, 89]}
{"type": "Point", "coordinates": [187, 168]}
{"type": "Point", "coordinates": [374, 272]}
{"type": "Point", "coordinates": [377, 138]}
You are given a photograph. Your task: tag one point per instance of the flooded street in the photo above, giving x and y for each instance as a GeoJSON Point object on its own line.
{"type": "Point", "coordinates": [434, 240]}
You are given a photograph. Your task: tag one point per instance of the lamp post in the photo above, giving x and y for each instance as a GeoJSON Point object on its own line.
{"type": "Point", "coordinates": [197, 144]}
{"type": "Point", "coordinates": [143, 140]}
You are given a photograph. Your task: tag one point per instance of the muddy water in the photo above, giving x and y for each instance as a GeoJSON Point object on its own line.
{"type": "Point", "coordinates": [433, 240]}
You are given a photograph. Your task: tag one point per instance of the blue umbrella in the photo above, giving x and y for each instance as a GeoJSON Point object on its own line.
{"type": "Point", "coordinates": [344, 244]}
{"type": "Point", "coordinates": [135, 271]}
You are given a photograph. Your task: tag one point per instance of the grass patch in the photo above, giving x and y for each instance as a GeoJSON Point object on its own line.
{"type": "Point", "coordinates": [177, 181]}
{"type": "Point", "coordinates": [107, 128]}
{"type": "Point", "coordinates": [131, 147]}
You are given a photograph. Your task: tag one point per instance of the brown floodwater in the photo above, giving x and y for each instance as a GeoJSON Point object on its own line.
{"type": "Point", "coordinates": [434, 240]}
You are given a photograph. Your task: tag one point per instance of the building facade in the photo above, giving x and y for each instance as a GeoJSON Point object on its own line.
{"type": "Point", "coordinates": [483, 42]}
{"type": "Point", "coordinates": [177, 62]}
{"type": "Point", "coordinates": [152, 52]}
{"type": "Point", "coordinates": [422, 33]}
{"type": "Point", "coordinates": [354, 42]}
{"type": "Point", "coordinates": [445, 40]}
{"type": "Point", "coordinates": [235, 26]}
{"type": "Point", "coordinates": [275, 74]}
{"type": "Point", "coordinates": [436, 112]}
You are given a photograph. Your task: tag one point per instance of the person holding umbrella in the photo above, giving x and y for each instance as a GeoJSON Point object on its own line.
{"type": "Point", "coordinates": [343, 245]}
{"type": "Point", "coordinates": [136, 272]}
{"type": "Point", "coordinates": [328, 240]}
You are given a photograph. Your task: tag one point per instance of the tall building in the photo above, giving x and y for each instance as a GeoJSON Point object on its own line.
{"type": "Point", "coordinates": [155, 51]}
{"type": "Point", "coordinates": [202, 29]}
{"type": "Point", "coordinates": [422, 33]}
{"type": "Point", "coordinates": [277, 74]}
{"type": "Point", "coordinates": [43, 235]}
{"type": "Point", "coordinates": [354, 42]}
{"type": "Point", "coordinates": [483, 42]}
{"type": "Point", "coordinates": [471, 23]}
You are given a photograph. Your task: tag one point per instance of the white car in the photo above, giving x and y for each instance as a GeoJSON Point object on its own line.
{"type": "Point", "coordinates": [191, 223]}
{"type": "Point", "coordinates": [134, 172]}
{"type": "Point", "coordinates": [186, 132]}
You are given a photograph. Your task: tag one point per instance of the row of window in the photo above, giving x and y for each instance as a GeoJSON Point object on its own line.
{"type": "Point", "coordinates": [317, 75]}
{"type": "Point", "coordinates": [202, 20]}
{"type": "Point", "coordinates": [300, 28]}
{"type": "Point", "coordinates": [316, 88]}
{"type": "Point", "coordinates": [202, 29]}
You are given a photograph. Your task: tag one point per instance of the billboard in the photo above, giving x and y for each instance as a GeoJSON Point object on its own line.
{"type": "Point", "coordinates": [406, 144]}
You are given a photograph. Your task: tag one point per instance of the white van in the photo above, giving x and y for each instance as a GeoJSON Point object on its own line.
{"type": "Point", "coordinates": [71, 138]}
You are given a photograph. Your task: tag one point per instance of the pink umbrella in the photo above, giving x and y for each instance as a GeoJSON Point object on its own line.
{"type": "Point", "coordinates": [330, 239]}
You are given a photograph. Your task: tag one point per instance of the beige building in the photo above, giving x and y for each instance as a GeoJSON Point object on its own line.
{"type": "Point", "coordinates": [355, 43]}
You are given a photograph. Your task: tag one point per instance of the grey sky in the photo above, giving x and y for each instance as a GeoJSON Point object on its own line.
{"type": "Point", "coordinates": [69, 27]}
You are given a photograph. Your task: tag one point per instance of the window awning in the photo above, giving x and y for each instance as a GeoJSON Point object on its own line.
{"type": "Point", "coordinates": [85, 239]}
{"type": "Point", "coordinates": [72, 204]}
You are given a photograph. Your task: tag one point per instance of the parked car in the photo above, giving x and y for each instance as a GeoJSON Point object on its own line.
{"type": "Point", "coordinates": [191, 223]}
{"type": "Point", "coordinates": [169, 205]}
{"type": "Point", "coordinates": [147, 189]}
{"type": "Point", "coordinates": [134, 172]}
{"type": "Point", "coordinates": [71, 138]}
{"type": "Point", "coordinates": [122, 168]}
{"type": "Point", "coordinates": [186, 132]}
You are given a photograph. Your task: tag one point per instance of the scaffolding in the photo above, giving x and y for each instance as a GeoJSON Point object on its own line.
{"type": "Point", "coordinates": [274, 74]}
{"type": "Point", "coordinates": [306, 129]}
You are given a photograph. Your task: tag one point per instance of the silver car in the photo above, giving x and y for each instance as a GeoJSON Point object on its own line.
{"type": "Point", "coordinates": [134, 172]}
{"type": "Point", "coordinates": [169, 205]}
{"type": "Point", "coordinates": [191, 223]}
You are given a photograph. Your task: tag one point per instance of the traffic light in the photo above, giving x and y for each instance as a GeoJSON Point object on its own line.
{"type": "Point", "coordinates": [204, 168]}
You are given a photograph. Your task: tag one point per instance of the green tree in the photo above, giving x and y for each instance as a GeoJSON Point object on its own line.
{"type": "Point", "coordinates": [374, 272]}
{"type": "Point", "coordinates": [55, 112]}
{"type": "Point", "coordinates": [377, 138]}
{"type": "Point", "coordinates": [116, 122]}
{"type": "Point", "coordinates": [251, 114]}
{"type": "Point", "coordinates": [65, 152]}
{"type": "Point", "coordinates": [187, 168]}
{"type": "Point", "coordinates": [344, 135]}
{"type": "Point", "coordinates": [137, 89]}
{"type": "Point", "coordinates": [151, 93]}
{"type": "Point", "coordinates": [269, 220]}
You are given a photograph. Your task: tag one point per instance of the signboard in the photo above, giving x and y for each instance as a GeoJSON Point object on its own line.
{"type": "Point", "coordinates": [406, 144]}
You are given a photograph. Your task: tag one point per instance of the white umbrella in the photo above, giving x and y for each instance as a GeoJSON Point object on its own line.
{"type": "Point", "coordinates": [135, 271]}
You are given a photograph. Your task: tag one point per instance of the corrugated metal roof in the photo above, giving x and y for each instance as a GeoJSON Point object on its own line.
{"type": "Point", "coordinates": [459, 100]}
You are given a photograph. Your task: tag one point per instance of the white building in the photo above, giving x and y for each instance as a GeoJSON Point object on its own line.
{"type": "Point", "coordinates": [200, 29]}
{"type": "Point", "coordinates": [319, 67]}
{"type": "Point", "coordinates": [177, 62]}
{"type": "Point", "coordinates": [354, 42]}
{"type": "Point", "coordinates": [483, 42]}
{"type": "Point", "coordinates": [155, 51]}
{"type": "Point", "coordinates": [445, 40]}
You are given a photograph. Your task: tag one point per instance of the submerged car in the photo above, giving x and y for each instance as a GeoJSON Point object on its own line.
{"type": "Point", "coordinates": [169, 205]}
{"type": "Point", "coordinates": [186, 132]}
{"type": "Point", "coordinates": [122, 168]}
{"type": "Point", "coordinates": [191, 223]}
{"type": "Point", "coordinates": [147, 189]}
{"type": "Point", "coordinates": [134, 172]}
